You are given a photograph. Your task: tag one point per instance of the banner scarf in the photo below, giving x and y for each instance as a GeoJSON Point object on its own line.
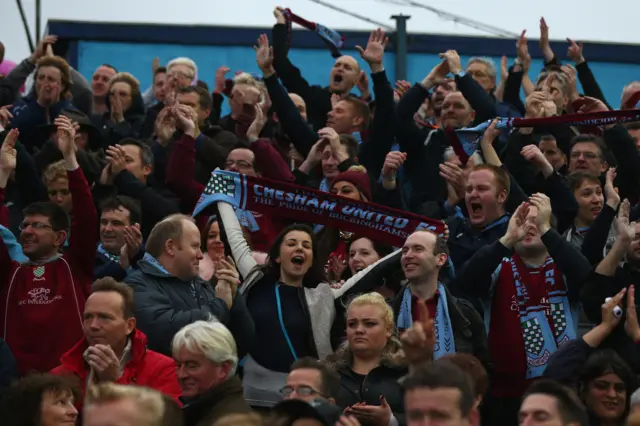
{"type": "Point", "coordinates": [444, 341]}
{"type": "Point", "coordinates": [285, 200]}
{"type": "Point", "coordinates": [465, 141]}
{"type": "Point", "coordinates": [543, 333]}
{"type": "Point", "coordinates": [333, 39]}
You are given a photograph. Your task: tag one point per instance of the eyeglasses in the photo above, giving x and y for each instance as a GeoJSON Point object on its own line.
{"type": "Point", "coordinates": [241, 164]}
{"type": "Point", "coordinates": [300, 390]}
{"type": "Point", "coordinates": [34, 225]}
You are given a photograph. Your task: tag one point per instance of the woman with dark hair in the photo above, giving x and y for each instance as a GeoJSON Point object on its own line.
{"type": "Point", "coordinates": [292, 306]}
{"type": "Point", "coordinates": [40, 400]}
{"type": "Point", "coordinates": [601, 377]}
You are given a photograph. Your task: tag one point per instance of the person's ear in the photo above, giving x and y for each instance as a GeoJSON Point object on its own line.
{"type": "Point", "coordinates": [131, 325]}
{"type": "Point", "coordinates": [61, 238]}
{"type": "Point", "coordinates": [502, 196]}
{"type": "Point", "coordinates": [441, 259]}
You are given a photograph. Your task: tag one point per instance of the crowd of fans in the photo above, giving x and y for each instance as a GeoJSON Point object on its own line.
{"type": "Point", "coordinates": [518, 309]}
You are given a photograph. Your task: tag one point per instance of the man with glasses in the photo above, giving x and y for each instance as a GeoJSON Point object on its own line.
{"type": "Point", "coordinates": [309, 380]}
{"type": "Point", "coordinates": [46, 294]}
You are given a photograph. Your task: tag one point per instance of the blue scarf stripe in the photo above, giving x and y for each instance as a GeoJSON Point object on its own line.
{"type": "Point", "coordinates": [13, 246]}
{"type": "Point", "coordinates": [445, 343]}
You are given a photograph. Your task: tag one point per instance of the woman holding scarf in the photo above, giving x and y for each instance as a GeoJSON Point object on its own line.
{"type": "Point", "coordinates": [293, 307]}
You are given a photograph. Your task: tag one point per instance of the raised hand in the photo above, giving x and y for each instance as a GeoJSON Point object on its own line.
{"type": "Point", "coordinates": [393, 162]}
{"type": "Point", "coordinates": [533, 104]}
{"type": "Point", "coordinates": [221, 73]}
{"type": "Point", "coordinates": [264, 55]}
{"type": "Point", "coordinates": [8, 154]}
{"type": "Point", "coordinates": [533, 154]}
{"type": "Point", "coordinates": [104, 362]}
{"type": "Point", "coordinates": [544, 41]}
{"type": "Point", "coordinates": [516, 228]}
{"type": "Point", "coordinates": [572, 82]}
{"type": "Point", "coordinates": [453, 175]}
{"type": "Point", "coordinates": [228, 278]}
{"type": "Point", "coordinates": [41, 48]}
{"type": "Point", "coordinates": [363, 86]}
{"type": "Point", "coordinates": [609, 319]}
{"type": "Point", "coordinates": [66, 136]}
{"type": "Point", "coordinates": [504, 68]}
{"type": "Point", "coordinates": [259, 121]}
{"type": "Point", "coordinates": [5, 115]}
{"type": "Point", "coordinates": [453, 60]}
{"type": "Point", "coordinates": [626, 231]}
{"type": "Point", "coordinates": [402, 87]}
{"type": "Point", "coordinates": [378, 415]}
{"type": "Point", "coordinates": [117, 159]}
{"type": "Point", "coordinates": [278, 12]}
{"type": "Point", "coordinates": [611, 195]}
{"type": "Point", "coordinates": [543, 204]}
{"type": "Point", "coordinates": [491, 133]}
{"type": "Point", "coordinates": [131, 246]}
{"type": "Point", "coordinates": [374, 53]}
{"type": "Point", "coordinates": [437, 75]}
{"type": "Point", "coordinates": [522, 47]}
{"type": "Point", "coordinates": [155, 64]}
{"type": "Point", "coordinates": [631, 324]}
{"type": "Point", "coordinates": [590, 105]}
{"type": "Point", "coordinates": [334, 140]}
{"type": "Point", "coordinates": [185, 119]}
{"type": "Point", "coordinates": [165, 125]}
{"type": "Point", "coordinates": [575, 52]}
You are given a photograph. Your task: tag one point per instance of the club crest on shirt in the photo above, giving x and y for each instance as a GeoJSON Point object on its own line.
{"type": "Point", "coordinates": [38, 273]}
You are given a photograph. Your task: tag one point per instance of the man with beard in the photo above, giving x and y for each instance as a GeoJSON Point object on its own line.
{"type": "Point", "coordinates": [344, 75]}
{"type": "Point", "coordinates": [530, 281]}
{"type": "Point", "coordinates": [48, 291]}
{"type": "Point", "coordinates": [120, 239]}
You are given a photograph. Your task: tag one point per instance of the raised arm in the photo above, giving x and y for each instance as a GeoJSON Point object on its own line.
{"type": "Point", "coordinates": [240, 250]}
{"type": "Point", "coordinates": [84, 226]}
{"type": "Point", "coordinates": [290, 119]}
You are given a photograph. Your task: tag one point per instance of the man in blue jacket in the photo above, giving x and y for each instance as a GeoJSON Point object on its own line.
{"type": "Point", "coordinates": [169, 294]}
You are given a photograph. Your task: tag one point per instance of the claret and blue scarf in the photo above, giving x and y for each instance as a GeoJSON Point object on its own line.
{"type": "Point", "coordinates": [289, 201]}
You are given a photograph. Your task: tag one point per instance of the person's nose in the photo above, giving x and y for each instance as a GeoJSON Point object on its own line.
{"type": "Point", "coordinates": [611, 393]}
{"type": "Point", "coordinates": [181, 372]}
{"type": "Point", "coordinates": [71, 410]}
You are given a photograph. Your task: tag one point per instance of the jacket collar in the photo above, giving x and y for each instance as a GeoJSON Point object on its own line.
{"type": "Point", "coordinates": [213, 396]}
{"type": "Point", "coordinates": [74, 361]}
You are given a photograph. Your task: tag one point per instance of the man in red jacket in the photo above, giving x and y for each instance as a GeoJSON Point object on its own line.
{"type": "Point", "coordinates": [45, 295]}
{"type": "Point", "coordinates": [113, 350]}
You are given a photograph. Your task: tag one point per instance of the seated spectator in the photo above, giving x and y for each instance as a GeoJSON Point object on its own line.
{"type": "Point", "coordinates": [119, 234]}
{"type": "Point", "coordinates": [372, 354]}
{"type": "Point", "coordinates": [310, 379]}
{"type": "Point", "coordinates": [206, 359]}
{"type": "Point", "coordinates": [553, 402]}
{"type": "Point", "coordinates": [169, 294]}
{"type": "Point", "coordinates": [125, 110]}
{"type": "Point", "coordinates": [127, 405]}
{"type": "Point", "coordinates": [40, 399]}
{"type": "Point", "coordinates": [113, 350]}
{"type": "Point", "coordinates": [48, 291]}
{"type": "Point", "coordinates": [440, 390]}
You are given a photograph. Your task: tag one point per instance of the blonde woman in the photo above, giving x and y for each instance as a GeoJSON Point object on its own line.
{"type": "Point", "coordinates": [125, 113]}
{"type": "Point", "coordinates": [370, 363]}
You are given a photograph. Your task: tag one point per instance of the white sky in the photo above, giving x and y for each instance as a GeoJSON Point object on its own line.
{"type": "Point", "coordinates": [611, 21]}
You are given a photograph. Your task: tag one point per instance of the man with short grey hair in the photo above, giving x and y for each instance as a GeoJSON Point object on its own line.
{"type": "Point", "coordinates": [206, 359]}
{"type": "Point", "coordinates": [483, 71]}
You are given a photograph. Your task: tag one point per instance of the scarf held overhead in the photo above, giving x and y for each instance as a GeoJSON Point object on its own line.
{"type": "Point", "coordinates": [333, 39]}
{"type": "Point", "coordinates": [465, 141]}
{"type": "Point", "coordinates": [285, 200]}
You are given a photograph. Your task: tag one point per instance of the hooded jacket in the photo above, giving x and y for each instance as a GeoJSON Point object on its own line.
{"type": "Point", "coordinates": [145, 368]}
{"type": "Point", "coordinates": [41, 304]}
{"type": "Point", "coordinates": [113, 133]}
{"type": "Point", "coordinates": [165, 304]}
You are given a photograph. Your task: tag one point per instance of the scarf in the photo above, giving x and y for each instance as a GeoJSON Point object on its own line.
{"type": "Point", "coordinates": [445, 343]}
{"type": "Point", "coordinates": [332, 39]}
{"type": "Point", "coordinates": [543, 331]}
{"type": "Point", "coordinates": [286, 200]}
{"type": "Point", "coordinates": [155, 263]}
{"type": "Point", "coordinates": [465, 141]}
{"type": "Point", "coordinates": [110, 256]}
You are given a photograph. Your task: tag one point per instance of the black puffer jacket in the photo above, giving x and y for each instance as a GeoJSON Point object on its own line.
{"type": "Point", "coordinates": [381, 381]}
